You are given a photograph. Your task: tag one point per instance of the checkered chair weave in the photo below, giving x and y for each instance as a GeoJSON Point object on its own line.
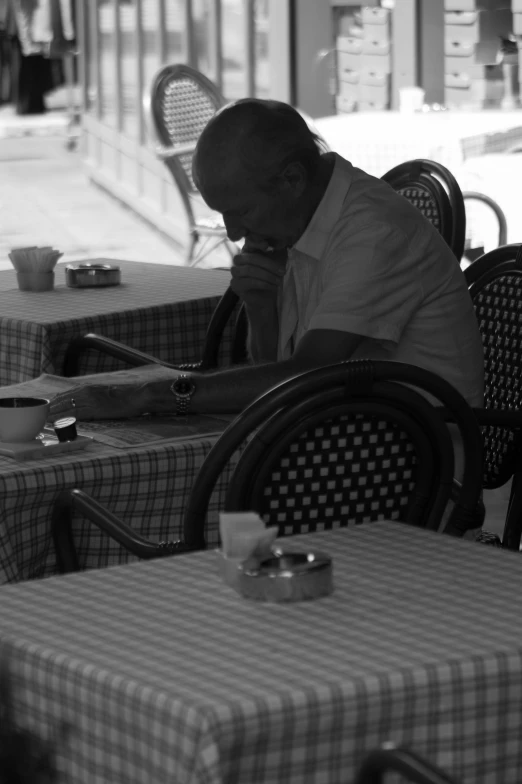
{"type": "Point", "coordinates": [346, 469]}
{"type": "Point", "coordinates": [355, 444]}
{"type": "Point", "coordinates": [425, 201]}
{"type": "Point", "coordinates": [433, 189]}
{"type": "Point", "coordinates": [495, 285]}
{"type": "Point", "coordinates": [186, 104]}
{"type": "Point", "coordinates": [178, 105]}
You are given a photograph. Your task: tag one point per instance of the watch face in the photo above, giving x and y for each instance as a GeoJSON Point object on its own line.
{"type": "Point", "coordinates": [184, 386]}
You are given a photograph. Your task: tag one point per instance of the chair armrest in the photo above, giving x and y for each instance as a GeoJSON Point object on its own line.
{"type": "Point", "coordinates": [163, 153]}
{"type": "Point", "coordinates": [410, 765]}
{"type": "Point", "coordinates": [499, 417]}
{"type": "Point", "coordinates": [70, 501]}
{"type": "Point", "coordinates": [112, 348]}
{"type": "Point", "coordinates": [494, 417]}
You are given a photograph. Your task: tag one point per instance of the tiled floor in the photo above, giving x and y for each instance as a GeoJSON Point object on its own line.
{"type": "Point", "coordinates": [46, 199]}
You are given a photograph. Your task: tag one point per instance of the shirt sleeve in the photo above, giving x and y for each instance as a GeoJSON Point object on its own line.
{"type": "Point", "coordinates": [371, 284]}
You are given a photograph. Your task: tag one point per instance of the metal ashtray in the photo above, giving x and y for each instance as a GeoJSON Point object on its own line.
{"type": "Point", "coordinates": [78, 276]}
{"type": "Point", "coordinates": [287, 577]}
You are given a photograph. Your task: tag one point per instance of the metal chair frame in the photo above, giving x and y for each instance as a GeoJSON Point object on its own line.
{"type": "Point", "coordinates": [434, 179]}
{"type": "Point", "coordinates": [177, 143]}
{"type": "Point", "coordinates": [492, 277]}
{"type": "Point", "coordinates": [496, 209]}
{"type": "Point", "coordinates": [394, 759]}
{"type": "Point", "coordinates": [377, 385]}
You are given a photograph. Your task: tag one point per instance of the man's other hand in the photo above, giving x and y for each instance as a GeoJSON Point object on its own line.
{"type": "Point", "coordinates": [257, 276]}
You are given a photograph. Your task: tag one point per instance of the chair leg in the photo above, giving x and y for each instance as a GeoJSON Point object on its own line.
{"type": "Point", "coordinates": [513, 525]}
{"type": "Point", "coordinates": [61, 519]}
{"type": "Point", "coordinates": [194, 237]}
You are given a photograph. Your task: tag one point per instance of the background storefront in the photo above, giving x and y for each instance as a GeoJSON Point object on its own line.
{"type": "Point", "coordinates": [324, 56]}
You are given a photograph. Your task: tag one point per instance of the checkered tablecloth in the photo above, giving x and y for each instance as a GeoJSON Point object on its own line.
{"type": "Point", "coordinates": [164, 674]}
{"type": "Point", "coordinates": [147, 486]}
{"type": "Point", "coordinates": [162, 310]}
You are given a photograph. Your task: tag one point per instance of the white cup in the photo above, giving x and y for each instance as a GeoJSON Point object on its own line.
{"type": "Point", "coordinates": [22, 418]}
{"type": "Point", "coordinates": [411, 99]}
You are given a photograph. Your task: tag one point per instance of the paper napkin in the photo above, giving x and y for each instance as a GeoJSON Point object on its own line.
{"type": "Point", "coordinates": [244, 536]}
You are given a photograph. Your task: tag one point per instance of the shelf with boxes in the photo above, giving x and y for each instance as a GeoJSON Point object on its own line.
{"type": "Point", "coordinates": [364, 61]}
{"type": "Point", "coordinates": [516, 7]}
{"type": "Point", "coordinates": [473, 29]}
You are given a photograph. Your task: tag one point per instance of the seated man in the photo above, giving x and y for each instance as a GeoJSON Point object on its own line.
{"type": "Point", "coordinates": [335, 266]}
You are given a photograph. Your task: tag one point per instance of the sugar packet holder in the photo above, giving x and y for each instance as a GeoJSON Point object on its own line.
{"type": "Point", "coordinates": [250, 563]}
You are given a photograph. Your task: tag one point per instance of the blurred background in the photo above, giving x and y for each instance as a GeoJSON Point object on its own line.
{"type": "Point", "coordinates": [379, 79]}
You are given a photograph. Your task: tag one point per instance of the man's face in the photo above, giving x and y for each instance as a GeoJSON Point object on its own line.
{"type": "Point", "coordinates": [266, 217]}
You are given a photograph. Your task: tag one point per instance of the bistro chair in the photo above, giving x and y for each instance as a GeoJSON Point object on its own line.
{"type": "Point", "coordinates": [495, 285]}
{"type": "Point", "coordinates": [433, 189]}
{"type": "Point", "coordinates": [392, 759]}
{"type": "Point", "coordinates": [178, 104]}
{"type": "Point", "coordinates": [227, 309]}
{"type": "Point", "coordinates": [475, 222]}
{"type": "Point", "coordinates": [348, 443]}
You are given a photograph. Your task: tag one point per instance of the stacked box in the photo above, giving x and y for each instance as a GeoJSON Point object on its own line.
{"type": "Point", "coordinates": [374, 91]}
{"type": "Point", "coordinates": [349, 54]}
{"type": "Point", "coordinates": [472, 33]}
{"type": "Point", "coordinates": [364, 61]}
{"type": "Point", "coordinates": [516, 7]}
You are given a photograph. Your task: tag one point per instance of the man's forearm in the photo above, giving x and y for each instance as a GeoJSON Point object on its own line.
{"type": "Point", "coordinates": [263, 333]}
{"type": "Point", "coordinates": [225, 391]}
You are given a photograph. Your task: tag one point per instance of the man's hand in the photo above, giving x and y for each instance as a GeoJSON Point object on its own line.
{"type": "Point", "coordinates": [257, 276]}
{"type": "Point", "coordinates": [100, 401]}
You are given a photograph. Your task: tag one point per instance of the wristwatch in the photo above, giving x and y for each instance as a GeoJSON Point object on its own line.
{"type": "Point", "coordinates": [182, 388]}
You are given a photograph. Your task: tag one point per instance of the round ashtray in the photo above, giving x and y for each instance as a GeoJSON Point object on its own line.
{"type": "Point", "coordinates": [79, 276]}
{"type": "Point", "coordinates": [287, 576]}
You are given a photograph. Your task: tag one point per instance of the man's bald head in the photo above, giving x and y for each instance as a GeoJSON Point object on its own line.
{"type": "Point", "coordinates": [253, 139]}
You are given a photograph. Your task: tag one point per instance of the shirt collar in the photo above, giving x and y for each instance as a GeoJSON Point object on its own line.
{"type": "Point", "coordinates": [315, 237]}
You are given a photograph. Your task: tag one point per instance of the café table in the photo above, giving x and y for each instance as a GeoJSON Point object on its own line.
{"type": "Point", "coordinates": [160, 309]}
{"type": "Point", "coordinates": [377, 141]}
{"type": "Point", "coordinates": [144, 480]}
{"type": "Point", "coordinates": [163, 673]}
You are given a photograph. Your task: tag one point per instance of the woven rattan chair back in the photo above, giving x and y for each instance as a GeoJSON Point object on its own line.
{"type": "Point", "coordinates": [182, 102]}
{"type": "Point", "coordinates": [433, 189]}
{"type": "Point", "coordinates": [322, 465]}
{"type": "Point", "coordinates": [313, 434]}
{"type": "Point", "coordinates": [495, 285]}
{"type": "Point", "coordinates": [178, 105]}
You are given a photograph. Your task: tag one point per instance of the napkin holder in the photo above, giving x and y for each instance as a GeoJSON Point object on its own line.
{"type": "Point", "coordinates": [285, 576]}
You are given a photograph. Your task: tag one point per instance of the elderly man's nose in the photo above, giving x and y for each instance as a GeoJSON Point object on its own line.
{"type": "Point", "coordinates": [234, 229]}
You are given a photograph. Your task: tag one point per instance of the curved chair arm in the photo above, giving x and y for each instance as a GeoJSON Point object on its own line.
{"type": "Point", "coordinates": [132, 356]}
{"type": "Point", "coordinates": [402, 761]}
{"type": "Point", "coordinates": [70, 501]}
{"type": "Point", "coordinates": [136, 358]}
{"type": "Point", "coordinates": [499, 213]}
{"type": "Point", "coordinates": [164, 153]}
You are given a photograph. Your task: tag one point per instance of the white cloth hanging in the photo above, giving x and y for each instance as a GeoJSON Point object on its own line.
{"type": "Point", "coordinates": [43, 22]}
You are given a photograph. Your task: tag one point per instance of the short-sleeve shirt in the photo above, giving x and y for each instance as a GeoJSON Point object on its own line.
{"type": "Point", "coordinates": [371, 264]}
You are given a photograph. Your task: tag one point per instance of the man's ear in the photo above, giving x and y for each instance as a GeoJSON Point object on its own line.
{"type": "Point", "coordinates": [295, 177]}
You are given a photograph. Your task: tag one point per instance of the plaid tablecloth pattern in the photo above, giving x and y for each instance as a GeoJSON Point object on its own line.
{"type": "Point", "coordinates": [147, 486]}
{"type": "Point", "coordinates": [165, 674]}
{"type": "Point", "coordinates": [162, 310]}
